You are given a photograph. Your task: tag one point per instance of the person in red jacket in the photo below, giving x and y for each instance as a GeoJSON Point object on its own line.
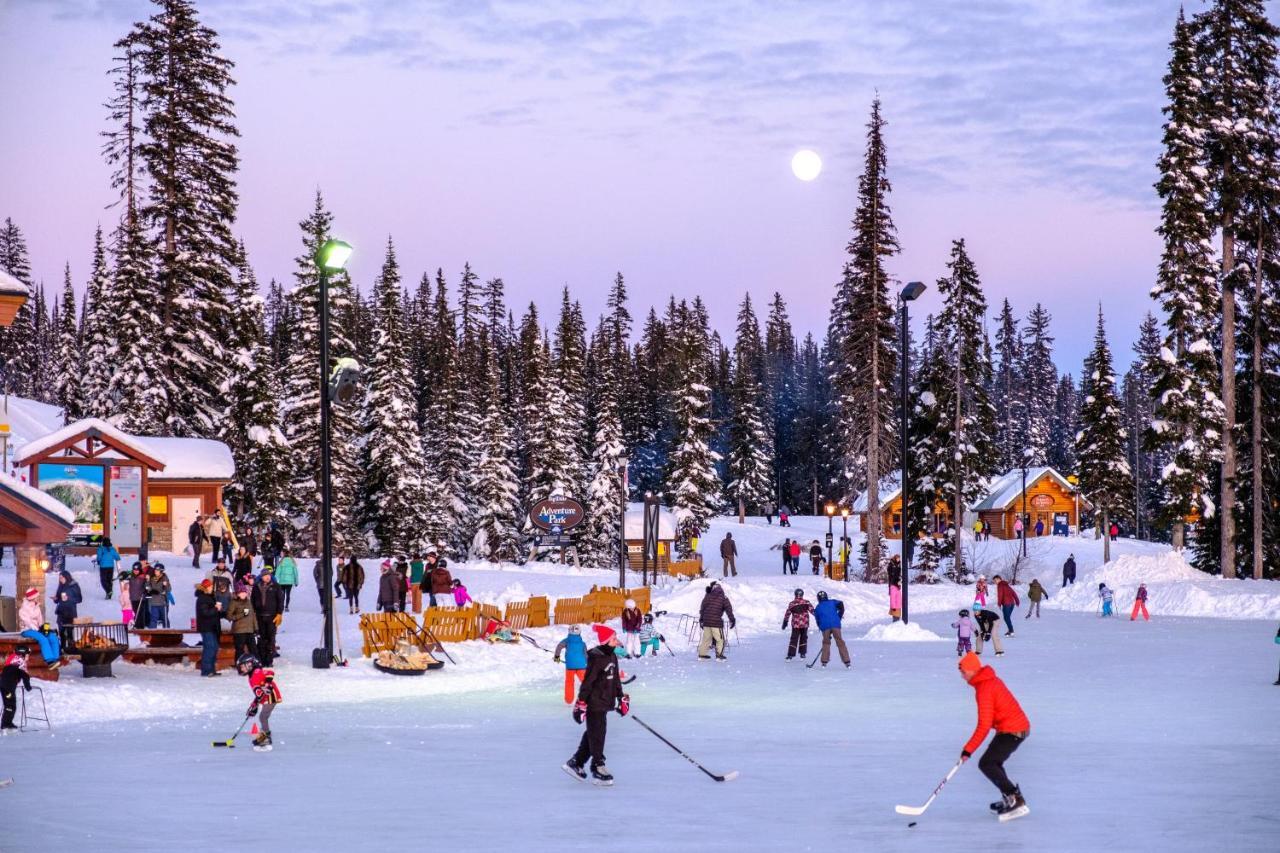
{"type": "Point", "coordinates": [266, 695]}
{"type": "Point", "coordinates": [997, 709]}
{"type": "Point", "coordinates": [1008, 600]}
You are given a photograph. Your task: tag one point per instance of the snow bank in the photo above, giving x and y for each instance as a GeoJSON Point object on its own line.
{"type": "Point", "coordinates": [898, 632]}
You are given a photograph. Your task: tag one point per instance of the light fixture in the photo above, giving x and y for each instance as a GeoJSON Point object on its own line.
{"type": "Point", "coordinates": [333, 255]}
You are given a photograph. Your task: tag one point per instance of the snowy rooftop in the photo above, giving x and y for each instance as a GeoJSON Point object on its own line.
{"type": "Point", "coordinates": [97, 427]}
{"type": "Point", "coordinates": [635, 523]}
{"type": "Point", "coordinates": [32, 495]}
{"type": "Point", "coordinates": [192, 459]}
{"type": "Point", "coordinates": [1004, 490]}
{"type": "Point", "coordinates": [890, 488]}
{"type": "Point", "coordinates": [10, 285]}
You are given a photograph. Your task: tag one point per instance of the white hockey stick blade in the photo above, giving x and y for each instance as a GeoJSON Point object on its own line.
{"type": "Point", "coordinates": [728, 777]}
{"type": "Point", "coordinates": [911, 810]}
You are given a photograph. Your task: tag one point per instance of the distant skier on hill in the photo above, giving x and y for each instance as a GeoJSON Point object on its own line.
{"type": "Point", "coordinates": [999, 710]}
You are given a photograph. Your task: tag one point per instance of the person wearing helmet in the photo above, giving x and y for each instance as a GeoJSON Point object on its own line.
{"type": "Point", "coordinates": [829, 612]}
{"type": "Point", "coordinates": [798, 616]}
{"type": "Point", "coordinates": [266, 695]}
{"type": "Point", "coordinates": [14, 672]}
{"type": "Point", "coordinates": [574, 649]}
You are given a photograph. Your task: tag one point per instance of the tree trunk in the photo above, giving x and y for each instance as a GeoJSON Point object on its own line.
{"type": "Point", "coordinates": [958, 510]}
{"type": "Point", "coordinates": [742, 511]}
{"type": "Point", "coordinates": [1178, 533]}
{"type": "Point", "coordinates": [1256, 425]}
{"type": "Point", "coordinates": [1106, 538]}
{"type": "Point", "coordinates": [1227, 520]}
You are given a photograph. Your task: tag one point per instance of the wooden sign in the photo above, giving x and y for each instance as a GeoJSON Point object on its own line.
{"type": "Point", "coordinates": [1042, 501]}
{"type": "Point", "coordinates": [556, 515]}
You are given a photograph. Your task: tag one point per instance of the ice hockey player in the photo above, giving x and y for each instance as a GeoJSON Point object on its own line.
{"type": "Point", "coordinates": [797, 616]}
{"type": "Point", "coordinates": [999, 710]}
{"type": "Point", "coordinates": [15, 671]}
{"type": "Point", "coordinates": [266, 695]}
{"type": "Point", "coordinates": [829, 612]}
{"type": "Point", "coordinates": [600, 693]}
{"type": "Point", "coordinates": [649, 636]}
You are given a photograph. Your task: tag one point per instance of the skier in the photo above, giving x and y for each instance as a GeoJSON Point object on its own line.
{"type": "Point", "coordinates": [286, 575]}
{"type": "Point", "coordinates": [632, 619]}
{"type": "Point", "coordinates": [786, 556]}
{"type": "Point", "coordinates": [1035, 593]}
{"type": "Point", "coordinates": [828, 613]}
{"type": "Point", "coordinates": [1008, 600]}
{"type": "Point", "coordinates": [244, 624]}
{"type": "Point", "coordinates": [728, 555]}
{"type": "Point", "coordinates": [266, 695]}
{"type": "Point", "coordinates": [107, 559]}
{"type": "Point", "coordinates": [999, 710]}
{"type": "Point", "coordinates": [980, 592]}
{"type": "Point", "coordinates": [1140, 604]}
{"type": "Point", "coordinates": [794, 551]}
{"type": "Point", "coordinates": [649, 636]}
{"type": "Point", "coordinates": [1069, 570]}
{"type": "Point", "coordinates": [1107, 596]}
{"type": "Point", "coordinates": [895, 601]}
{"type": "Point", "coordinates": [964, 633]}
{"type": "Point", "coordinates": [574, 649]}
{"type": "Point", "coordinates": [987, 620]}
{"type": "Point", "coordinates": [715, 607]}
{"type": "Point", "coordinates": [600, 693]}
{"type": "Point", "coordinates": [15, 671]}
{"type": "Point", "coordinates": [268, 610]}
{"type": "Point", "coordinates": [798, 616]}
{"type": "Point", "coordinates": [815, 557]}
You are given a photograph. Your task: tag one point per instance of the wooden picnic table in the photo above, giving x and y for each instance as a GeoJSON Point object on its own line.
{"type": "Point", "coordinates": [166, 645]}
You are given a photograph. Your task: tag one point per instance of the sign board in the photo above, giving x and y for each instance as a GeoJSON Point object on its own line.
{"type": "Point", "coordinates": [78, 487]}
{"type": "Point", "coordinates": [551, 540]}
{"type": "Point", "coordinates": [551, 513]}
{"type": "Point", "coordinates": [126, 506]}
{"type": "Point", "coordinates": [1042, 501]}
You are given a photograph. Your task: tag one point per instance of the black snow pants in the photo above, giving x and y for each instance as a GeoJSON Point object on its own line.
{"type": "Point", "coordinates": [992, 762]}
{"type": "Point", "coordinates": [266, 639]}
{"type": "Point", "coordinates": [592, 744]}
{"type": "Point", "coordinates": [105, 577]}
{"type": "Point", "coordinates": [799, 643]}
{"type": "Point", "coordinates": [10, 708]}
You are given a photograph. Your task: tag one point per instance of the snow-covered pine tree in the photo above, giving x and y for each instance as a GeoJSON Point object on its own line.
{"type": "Point", "coordinates": [1039, 384]}
{"type": "Point", "coordinates": [301, 411]}
{"type": "Point", "coordinates": [930, 436]}
{"type": "Point", "coordinates": [1066, 417]}
{"type": "Point", "coordinates": [190, 158]}
{"type": "Point", "coordinates": [97, 335]}
{"type": "Point", "coordinates": [395, 499]}
{"type": "Point", "coordinates": [1105, 480]}
{"type": "Point", "coordinates": [1010, 394]}
{"type": "Point", "coordinates": [750, 442]}
{"type": "Point", "coordinates": [692, 482]}
{"type": "Point", "coordinates": [604, 495]}
{"type": "Point", "coordinates": [781, 394]}
{"type": "Point", "coordinates": [442, 429]}
{"type": "Point", "coordinates": [1144, 464]}
{"type": "Point", "coordinates": [865, 364]}
{"type": "Point", "coordinates": [646, 429]}
{"type": "Point", "coordinates": [18, 341]}
{"type": "Point", "coordinates": [568, 374]}
{"type": "Point", "coordinates": [69, 363]}
{"type": "Point", "coordinates": [493, 488]}
{"type": "Point", "coordinates": [135, 394]}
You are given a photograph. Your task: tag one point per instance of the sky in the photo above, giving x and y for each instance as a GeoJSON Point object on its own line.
{"type": "Point", "coordinates": [558, 143]}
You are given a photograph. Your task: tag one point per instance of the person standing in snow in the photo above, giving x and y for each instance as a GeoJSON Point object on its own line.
{"type": "Point", "coordinates": [266, 695]}
{"type": "Point", "coordinates": [244, 625]}
{"type": "Point", "coordinates": [711, 615]}
{"type": "Point", "coordinates": [352, 578]}
{"type": "Point", "coordinates": [649, 637]}
{"type": "Point", "coordinates": [388, 594]}
{"type": "Point", "coordinates": [1069, 570]}
{"type": "Point", "coordinates": [286, 576]}
{"type": "Point", "coordinates": [401, 570]}
{"type": "Point", "coordinates": [196, 538]}
{"type": "Point", "coordinates": [998, 709]}
{"type": "Point", "coordinates": [1007, 599]}
{"type": "Point", "coordinates": [815, 557]}
{"type": "Point", "coordinates": [441, 580]}
{"type": "Point", "coordinates": [600, 693]}
{"type": "Point", "coordinates": [829, 613]}
{"type": "Point", "coordinates": [798, 616]}
{"type": "Point", "coordinates": [158, 587]}
{"type": "Point", "coordinates": [223, 583]}
{"type": "Point", "coordinates": [461, 598]}
{"type": "Point", "coordinates": [964, 633]}
{"type": "Point", "coordinates": [1018, 528]}
{"type": "Point", "coordinates": [632, 619]}
{"type": "Point", "coordinates": [987, 620]}
{"type": "Point", "coordinates": [1107, 597]}
{"type": "Point", "coordinates": [1140, 604]}
{"type": "Point", "coordinates": [126, 604]}
{"type": "Point", "coordinates": [67, 599]}
{"type": "Point", "coordinates": [1039, 527]}
{"type": "Point", "coordinates": [1035, 593]}
{"type": "Point", "coordinates": [107, 559]}
{"type": "Point", "coordinates": [243, 564]}
{"type": "Point", "coordinates": [895, 570]}
{"type": "Point", "coordinates": [895, 601]}
{"type": "Point", "coordinates": [574, 649]}
{"type": "Point", "coordinates": [786, 556]}
{"type": "Point", "coordinates": [794, 551]}
{"type": "Point", "coordinates": [980, 592]}
{"type": "Point", "coordinates": [784, 516]}
{"type": "Point", "coordinates": [417, 571]}
{"type": "Point", "coordinates": [214, 531]}
{"type": "Point", "coordinates": [209, 624]}
{"type": "Point", "coordinates": [13, 674]}
{"type": "Point", "coordinates": [268, 610]}
{"type": "Point", "coordinates": [729, 554]}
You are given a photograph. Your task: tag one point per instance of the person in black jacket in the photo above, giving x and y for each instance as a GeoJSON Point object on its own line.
{"type": "Point", "coordinates": [15, 671]}
{"type": "Point", "coordinates": [1069, 570]}
{"type": "Point", "coordinates": [268, 604]}
{"type": "Point", "coordinates": [209, 624]}
{"type": "Point", "coordinates": [599, 693]}
{"type": "Point", "coordinates": [243, 564]}
{"type": "Point", "coordinates": [711, 616]}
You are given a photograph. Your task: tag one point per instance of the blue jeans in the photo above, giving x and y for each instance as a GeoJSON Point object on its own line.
{"type": "Point", "coordinates": [208, 651]}
{"type": "Point", "coordinates": [1008, 612]}
{"type": "Point", "coordinates": [157, 616]}
{"type": "Point", "coordinates": [50, 645]}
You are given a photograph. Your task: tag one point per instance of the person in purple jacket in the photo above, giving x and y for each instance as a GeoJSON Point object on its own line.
{"type": "Point", "coordinates": [1140, 604]}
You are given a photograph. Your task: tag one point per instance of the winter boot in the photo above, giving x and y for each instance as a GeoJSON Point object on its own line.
{"type": "Point", "coordinates": [574, 769]}
{"type": "Point", "coordinates": [601, 776]}
{"type": "Point", "coordinates": [721, 657]}
{"type": "Point", "coordinates": [1013, 806]}
{"type": "Point", "coordinates": [262, 739]}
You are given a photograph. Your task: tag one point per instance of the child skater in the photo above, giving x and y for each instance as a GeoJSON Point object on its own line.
{"type": "Point", "coordinates": [1107, 596]}
{"type": "Point", "coordinates": [266, 695]}
{"type": "Point", "coordinates": [649, 636]}
{"type": "Point", "coordinates": [964, 633]}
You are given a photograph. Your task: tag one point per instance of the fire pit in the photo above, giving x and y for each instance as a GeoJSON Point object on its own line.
{"type": "Point", "coordinates": [97, 645]}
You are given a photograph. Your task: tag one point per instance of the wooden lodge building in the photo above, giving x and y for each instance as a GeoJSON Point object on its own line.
{"type": "Point", "coordinates": [891, 510]}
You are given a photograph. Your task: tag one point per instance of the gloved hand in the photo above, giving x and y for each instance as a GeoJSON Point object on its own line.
{"type": "Point", "coordinates": [964, 756]}
{"type": "Point", "coordinates": [579, 711]}
{"type": "Point", "coordinates": [555, 659]}
{"type": "Point", "coordinates": [732, 624]}
{"type": "Point", "coordinates": [253, 709]}
{"type": "Point", "coordinates": [664, 639]}
{"type": "Point", "coordinates": [624, 704]}
{"type": "Point", "coordinates": [784, 626]}
{"type": "Point", "coordinates": [279, 618]}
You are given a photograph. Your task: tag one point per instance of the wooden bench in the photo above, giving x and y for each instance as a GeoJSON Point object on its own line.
{"type": "Point", "coordinates": [166, 646]}
{"type": "Point", "coordinates": [36, 666]}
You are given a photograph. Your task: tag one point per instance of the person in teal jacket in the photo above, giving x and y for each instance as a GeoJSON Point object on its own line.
{"type": "Point", "coordinates": [107, 559]}
{"type": "Point", "coordinates": [286, 575]}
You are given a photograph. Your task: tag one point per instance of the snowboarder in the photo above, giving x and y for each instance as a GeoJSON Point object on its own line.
{"type": "Point", "coordinates": [1008, 600]}
{"type": "Point", "coordinates": [980, 592]}
{"type": "Point", "coordinates": [1069, 570]}
{"type": "Point", "coordinates": [461, 598]}
{"type": "Point", "coordinates": [1140, 604]}
{"type": "Point", "coordinates": [286, 575]}
{"type": "Point", "coordinates": [14, 672]}
{"type": "Point", "coordinates": [964, 633]}
{"type": "Point", "coordinates": [1035, 593]}
{"type": "Point", "coordinates": [600, 693]}
{"type": "Point", "coordinates": [268, 610]}
{"type": "Point", "coordinates": [895, 601]}
{"type": "Point", "coordinates": [574, 649]}
{"type": "Point", "coordinates": [266, 695]}
{"type": "Point", "coordinates": [244, 624]}
{"type": "Point", "coordinates": [815, 557]}
{"type": "Point", "coordinates": [828, 614]}
{"type": "Point", "coordinates": [999, 710]}
{"type": "Point", "coordinates": [728, 555]}
{"type": "Point", "coordinates": [107, 558]}
{"type": "Point", "coordinates": [632, 619]}
{"type": "Point", "coordinates": [1107, 597]}
{"type": "Point", "coordinates": [987, 620]}
{"type": "Point", "coordinates": [649, 637]}
{"type": "Point", "coordinates": [715, 607]}
{"type": "Point", "coordinates": [794, 551]}
{"type": "Point", "coordinates": [798, 616]}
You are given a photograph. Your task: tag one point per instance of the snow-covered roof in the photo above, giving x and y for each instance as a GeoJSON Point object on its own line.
{"type": "Point", "coordinates": [1004, 490]}
{"type": "Point", "coordinates": [635, 523]}
{"type": "Point", "coordinates": [890, 488]}
{"type": "Point", "coordinates": [32, 495]}
{"type": "Point", "coordinates": [94, 426]}
{"type": "Point", "coordinates": [10, 285]}
{"type": "Point", "coordinates": [192, 459]}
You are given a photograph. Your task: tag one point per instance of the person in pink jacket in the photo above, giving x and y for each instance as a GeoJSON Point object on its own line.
{"type": "Point", "coordinates": [460, 596]}
{"type": "Point", "coordinates": [895, 601]}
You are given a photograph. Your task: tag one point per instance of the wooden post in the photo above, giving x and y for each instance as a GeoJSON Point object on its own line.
{"type": "Point", "coordinates": [30, 573]}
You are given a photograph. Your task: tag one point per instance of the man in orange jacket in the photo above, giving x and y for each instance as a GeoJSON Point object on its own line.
{"type": "Point", "coordinates": [999, 710]}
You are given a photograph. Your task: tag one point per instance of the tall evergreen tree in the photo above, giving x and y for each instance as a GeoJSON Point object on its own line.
{"type": "Point", "coordinates": [1040, 384]}
{"type": "Point", "coordinates": [781, 396]}
{"type": "Point", "coordinates": [1101, 443]}
{"type": "Point", "coordinates": [1144, 464]}
{"type": "Point", "coordinates": [692, 482]}
{"type": "Point", "coordinates": [1009, 392]}
{"type": "Point", "coordinates": [1066, 418]}
{"type": "Point", "coordinates": [18, 348]}
{"type": "Point", "coordinates": [69, 362]}
{"type": "Point", "coordinates": [493, 487]}
{"type": "Point", "coordinates": [97, 335]}
{"type": "Point", "coordinates": [135, 394]}
{"type": "Point", "coordinates": [750, 442]}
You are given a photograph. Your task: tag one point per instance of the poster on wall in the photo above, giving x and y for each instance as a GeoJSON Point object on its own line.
{"type": "Point", "coordinates": [79, 487]}
{"type": "Point", "coordinates": [125, 508]}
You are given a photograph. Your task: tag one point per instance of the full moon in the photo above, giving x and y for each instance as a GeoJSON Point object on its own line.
{"type": "Point", "coordinates": [806, 164]}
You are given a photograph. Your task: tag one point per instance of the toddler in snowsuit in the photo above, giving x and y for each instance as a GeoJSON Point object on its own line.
{"type": "Point", "coordinates": [574, 649]}
{"type": "Point", "coordinates": [266, 695]}
{"type": "Point", "coordinates": [1140, 604]}
{"type": "Point", "coordinates": [964, 633]}
{"type": "Point", "coordinates": [1105, 593]}
{"type": "Point", "coordinates": [798, 615]}
{"type": "Point", "coordinates": [649, 636]}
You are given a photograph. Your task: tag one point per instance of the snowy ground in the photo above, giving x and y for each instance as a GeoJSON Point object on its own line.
{"type": "Point", "coordinates": [1145, 735]}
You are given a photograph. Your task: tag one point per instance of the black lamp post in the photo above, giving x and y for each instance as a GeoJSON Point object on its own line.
{"type": "Point", "coordinates": [909, 294]}
{"type": "Point", "coordinates": [831, 517]}
{"type": "Point", "coordinates": [844, 540]}
{"type": "Point", "coordinates": [330, 257]}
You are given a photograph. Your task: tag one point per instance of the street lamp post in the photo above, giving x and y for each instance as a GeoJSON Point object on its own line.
{"type": "Point", "coordinates": [844, 540]}
{"type": "Point", "coordinates": [831, 517]}
{"type": "Point", "coordinates": [330, 257]}
{"type": "Point", "coordinates": [909, 294]}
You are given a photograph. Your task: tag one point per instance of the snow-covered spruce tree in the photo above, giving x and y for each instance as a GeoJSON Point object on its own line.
{"type": "Point", "coordinates": [966, 422]}
{"type": "Point", "coordinates": [190, 160]}
{"type": "Point", "coordinates": [394, 494]}
{"type": "Point", "coordinates": [69, 364]}
{"type": "Point", "coordinates": [750, 442]}
{"type": "Point", "coordinates": [1040, 384]}
{"type": "Point", "coordinates": [494, 490]}
{"type": "Point", "coordinates": [1062, 437]}
{"type": "Point", "coordinates": [647, 426]}
{"type": "Point", "coordinates": [1145, 464]}
{"type": "Point", "coordinates": [1009, 392]}
{"type": "Point", "coordinates": [692, 483]}
{"type": "Point", "coordinates": [569, 350]}
{"type": "Point", "coordinates": [1105, 480]}
{"type": "Point", "coordinates": [1235, 55]}
{"type": "Point", "coordinates": [97, 336]}
{"type": "Point", "coordinates": [604, 496]}
{"type": "Point", "coordinates": [445, 468]}
{"type": "Point", "coordinates": [301, 411]}
{"type": "Point", "coordinates": [17, 341]}
{"type": "Point", "coordinates": [862, 375]}
{"type": "Point", "coordinates": [135, 394]}
{"type": "Point", "coordinates": [46, 355]}
{"type": "Point", "coordinates": [929, 385]}
{"type": "Point", "coordinates": [781, 395]}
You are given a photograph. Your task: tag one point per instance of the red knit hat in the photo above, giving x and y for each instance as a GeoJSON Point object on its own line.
{"type": "Point", "coordinates": [206, 584]}
{"type": "Point", "coordinates": [33, 593]}
{"type": "Point", "coordinates": [604, 633]}
{"type": "Point", "coordinates": [970, 663]}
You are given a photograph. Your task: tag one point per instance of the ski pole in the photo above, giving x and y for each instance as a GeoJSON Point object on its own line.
{"type": "Point", "coordinates": [728, 777]}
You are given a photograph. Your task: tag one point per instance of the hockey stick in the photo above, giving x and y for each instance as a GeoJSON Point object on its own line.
{"type": "Point", "coordinates": [919, 810]}
{"type": "Point", "coordinates": [728, 777]}
{"type": "Point", "coordinates": [231, 741]}
{"type": "Point", "coordinates": [810, 664]}
{"type": "Point", "coordinates": [535, 643]}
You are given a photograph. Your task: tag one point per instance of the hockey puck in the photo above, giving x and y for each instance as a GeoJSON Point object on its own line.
{"type": "Point", "coordinates": [913, 823]}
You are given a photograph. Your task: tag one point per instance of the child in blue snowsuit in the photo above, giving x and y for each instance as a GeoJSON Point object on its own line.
{"type": "Point", "coordinates": [1105, 593]}
{"type": "Point", "coordinates": [649, 636]}
{"type": "Point", "coordinates": [964, 633]}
